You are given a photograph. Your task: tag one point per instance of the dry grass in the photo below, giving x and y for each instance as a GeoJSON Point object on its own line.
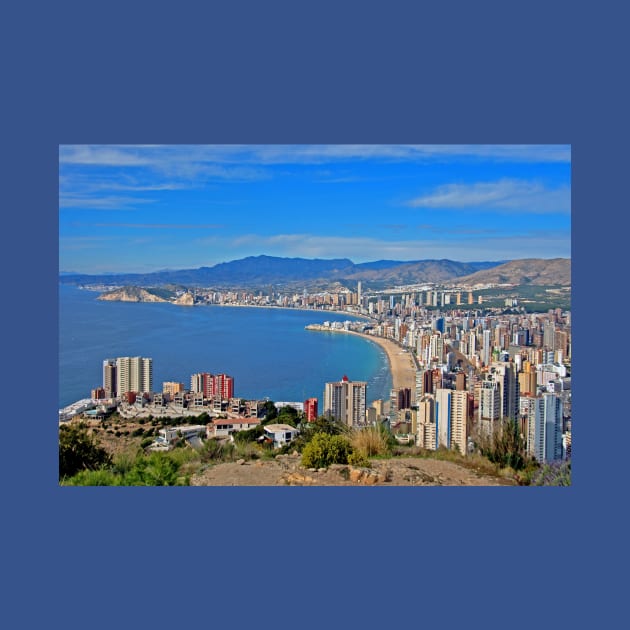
{"type": "Point", "coordinates": [370, 441]}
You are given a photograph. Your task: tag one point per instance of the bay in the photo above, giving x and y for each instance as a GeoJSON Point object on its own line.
{"type": "Point", "coordinates": [266, 350]}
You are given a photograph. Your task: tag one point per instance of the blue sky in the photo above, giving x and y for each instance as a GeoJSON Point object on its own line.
{"type": "Point", "coordinates": [142, 208]}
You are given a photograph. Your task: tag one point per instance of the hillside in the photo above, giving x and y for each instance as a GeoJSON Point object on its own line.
{"type": "Point", "coordinates": [258, 271]}
{"type": "Point", "coordinates": [525, 271]}
{"type": "Point", "coordinates": [131, 294]}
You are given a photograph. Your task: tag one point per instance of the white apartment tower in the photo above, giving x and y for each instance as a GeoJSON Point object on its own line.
{"type": "Point", "coordinates": [451, 418]}
{"type": "Point", "coordinates": [134, 374]}
{"type": "Point", "coordinates": [544, 428]}
{"type": "Point", "coordinates": [425, 429]}
{"type": "Point", "coordinates": [345, 401]}
{"type": "Point", "coordinates": [489, 406]}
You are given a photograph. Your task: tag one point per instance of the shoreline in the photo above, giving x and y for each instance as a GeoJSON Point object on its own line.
{"type": "Point", "coordinates": [293, 308]}
{"type": "Point", "coordinates": [401, 365]}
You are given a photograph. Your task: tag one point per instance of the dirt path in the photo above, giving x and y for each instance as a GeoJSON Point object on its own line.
{"type": "Point", "coordinates": [286, 470]}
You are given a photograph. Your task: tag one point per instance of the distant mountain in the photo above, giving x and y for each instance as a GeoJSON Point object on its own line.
{"type": "Point", "coordinates": [524, 271]}
{"type": "Point", "coordinates": [415, 272]}
{"type": "Point", "coordinates": [258, 271]}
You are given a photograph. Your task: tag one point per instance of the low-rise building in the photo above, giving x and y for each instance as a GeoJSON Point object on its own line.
{"type": "Point", "coordinates": [280, 434]}
{"type": "Point", "coordinates": [225, 427]}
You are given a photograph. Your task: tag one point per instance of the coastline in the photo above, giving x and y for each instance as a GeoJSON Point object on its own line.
{"type": "Point", "coordinates": [401, 365]}
{"type": "Point", "coordinates": [294, 308]}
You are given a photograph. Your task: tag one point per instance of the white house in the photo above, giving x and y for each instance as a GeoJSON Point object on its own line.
{"type": "Point", "coordinates": [280, 434]}
{"type": "Point", "coordinates": [224, 427]}
{"type": "Point", "coordinates": [169, 434]}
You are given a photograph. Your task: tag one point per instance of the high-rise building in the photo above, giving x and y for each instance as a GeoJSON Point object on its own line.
{"type": "Point", "coordinates": [459, 420]}
{"type": "Point", "coordinates": [489, 406]}
{"type": "Point", "coordinates": [544, 427]}
{"type": "Point", "coordinates": [504, 373]}
{"type": "Point", "coordinates": [134, 374]}
{"type": "Point", "coordinates": [223, 386]}
{"type": "Point", "coordinates": [424, 383]}
{"type": "Point", "coordinates": [201, 383]}
{"type": "Point", "coordinates": [212, 385]}
{"type": "Point", "coordinates": [109, 378]}
{"type": "Point", "coordinates": [310, 409]}
{"type": "Point", "coordinates": [527, 380]}
{"type": "Point", "coordinates": [425, 429]}
{"type": "Point", "coordinates": [486, 347]}
{"type": "Point", "coordinates": [400, 398]}
{"type": "Point", "coordinates": [443, 401]}
{"type": "Point", "coordinates": [460, 381]}
{"type": "Point", "coordinates": [345, 401]}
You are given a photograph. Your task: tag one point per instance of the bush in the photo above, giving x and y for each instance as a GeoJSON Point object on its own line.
{"type": "Point", "coordinates": [553, 474]}
{"type": "Point", "coordinates": [158, 469]}
{"type": "Point", "coordinates": [357, 458]}
{"type": "Point", "coordinates": [101, 477]}
{"type": "Point", "coordinates": [215, 450]}
{"type": "Point", "coordinates": [324, 450]}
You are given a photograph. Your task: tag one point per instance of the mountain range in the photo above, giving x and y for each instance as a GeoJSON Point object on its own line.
{"type": "Point", "coordinates": [258, 271]}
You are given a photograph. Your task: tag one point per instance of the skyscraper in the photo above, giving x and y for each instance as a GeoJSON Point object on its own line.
{"type": "Point", "coordinates": [345, 401]}
{"type": "Point", "coordinates": [425, 429]}
{"type": "Point", "coordinates": [489, 406]}
{"type": "Point", "coordinates": [544, 429]}
{"type": "Point", "coordinates": [134, 374]}
{"type": "Point", "coordinates": [109, 378]}
{"type": "Point", "coordinates": [504, 373]}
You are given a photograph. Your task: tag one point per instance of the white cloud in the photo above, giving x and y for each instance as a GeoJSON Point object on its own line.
{"type": "Point", "coordinates": [175, 156]}
{"type": "Point", "coordinates": [101, 203]}
{"type": "Point", "coordinates": [503, 195]}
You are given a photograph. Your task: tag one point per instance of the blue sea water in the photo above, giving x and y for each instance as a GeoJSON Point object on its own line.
{"type": "Point", "coordinates": [266, 350]}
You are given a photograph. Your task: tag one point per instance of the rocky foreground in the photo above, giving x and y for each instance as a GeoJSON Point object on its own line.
{"type": "Point", "coordinates": [286, 470]}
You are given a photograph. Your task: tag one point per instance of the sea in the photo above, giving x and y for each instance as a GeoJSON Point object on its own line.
{"type": "Point", "coordinates": [267, 350]}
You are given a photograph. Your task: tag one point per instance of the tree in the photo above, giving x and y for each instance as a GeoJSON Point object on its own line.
{"type": "Point", "coordinates": [78, 450]}
{"type": "Point", "coordinates": [270, 411]}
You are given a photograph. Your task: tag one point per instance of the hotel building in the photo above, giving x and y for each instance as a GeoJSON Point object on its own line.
{"type": "Point", "coordinates": [345, 401]}
{"type": "Point", "coordinates": [134, 374]}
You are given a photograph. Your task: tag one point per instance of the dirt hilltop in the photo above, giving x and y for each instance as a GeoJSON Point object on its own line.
{"type": "Point", "coordinates": [286, 470]}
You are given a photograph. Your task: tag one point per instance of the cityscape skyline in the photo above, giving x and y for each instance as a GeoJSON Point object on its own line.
{"type": "Point", "coordinates": [145, 208]}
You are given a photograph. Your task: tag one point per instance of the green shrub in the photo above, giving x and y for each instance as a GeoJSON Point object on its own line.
{"type": "Point", "coordinates": [357, 458]}
{"type": "Point", "coordinates": [157, 469]}
{"type": "Point", "coordinates": [324, 450]}
{"type": "Point", "coordinates": [101, 477]}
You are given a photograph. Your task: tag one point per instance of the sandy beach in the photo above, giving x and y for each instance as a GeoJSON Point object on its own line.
{"type": "Point", "coordinates": [400, 362]}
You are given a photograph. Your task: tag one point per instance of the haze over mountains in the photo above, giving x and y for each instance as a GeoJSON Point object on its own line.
{"type": "Point", "coordinates": [266, 270]}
